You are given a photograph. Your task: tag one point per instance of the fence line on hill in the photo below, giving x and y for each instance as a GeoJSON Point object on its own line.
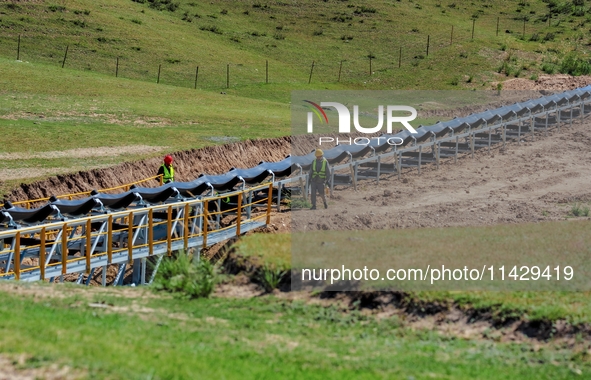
{"type": "Point", "coordinates": [407, 49]}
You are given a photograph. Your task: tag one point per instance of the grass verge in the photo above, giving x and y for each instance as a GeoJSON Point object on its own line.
{"type": "Point", "coordinates": [131, 337]}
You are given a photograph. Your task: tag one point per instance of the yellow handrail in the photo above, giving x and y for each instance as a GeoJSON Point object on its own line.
{"type": "Point", "coordinates": [27, 204]}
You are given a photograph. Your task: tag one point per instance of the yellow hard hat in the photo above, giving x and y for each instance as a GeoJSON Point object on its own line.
{"type": "Point", "coordinates": [319, 152]}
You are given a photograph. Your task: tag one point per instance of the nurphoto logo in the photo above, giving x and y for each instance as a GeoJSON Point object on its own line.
{"type": "Point", "coordinates": [345, 121]}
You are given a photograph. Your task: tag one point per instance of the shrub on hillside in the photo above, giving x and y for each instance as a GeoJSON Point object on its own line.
{"type": "Point", "coordinates": [56, 8]}
{"type": "Point", "coordinates": [574, 65]}
{"type": "Point", "coordinates": [160, 5]}
{"type": "Point", "coordinates": [213, 29]}
{"type": "Point", "coordinates": [181, 276]}
{"type": "Point", "coordinates": [549, 68]}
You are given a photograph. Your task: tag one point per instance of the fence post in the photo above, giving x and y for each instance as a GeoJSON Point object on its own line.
{"type": "Point", "coordinates": [65, 56]}
{"type": "Point", "coordinates": [18, 49]}
{"type": "Point", "coordinates": [117, 68]}
{"type": "Point", "coordinates": [228, 75]}
{"type": "Point", "coordinates": [400, 57]}
{"type": "Point", "coordinates": [311, 71]}
{"type": "Point", "coordinates": [428, 38]}
{"type": "Point", "coordinates": [523, 36]}
{"type": "Point", "coordinates": [196, 76]}
{"type": "Point", "coordinates": [158, 80]}
{"type": "Point", "coordinates": [340, 69]}
{"type": "Point", "coordinates": [267, 71]}
{"type": "Point", "coordinates": [549, 19]}
{"type": "Point", "coordinates": [473, 22]}
{"type": "Point", "coordinates": [370, 63]}
{"type": "Point", "coordinates": [498, 18]}
{"type": "Point", "coordinates": [451, 38]}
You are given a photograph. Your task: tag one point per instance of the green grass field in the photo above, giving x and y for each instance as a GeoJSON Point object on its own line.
{"type": "Point", "coordinates": [45, 109]}
{"type": "Point", "coordinates": [162, 338]}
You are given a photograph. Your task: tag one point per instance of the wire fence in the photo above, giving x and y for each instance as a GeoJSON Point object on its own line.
{"type": "Point", "coordinates": [384, 53]}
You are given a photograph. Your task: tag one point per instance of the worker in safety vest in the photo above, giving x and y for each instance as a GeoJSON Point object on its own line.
{"type": "Point", "coordinates": [166, 170]}
{"type": "Point", "coordinates": [318, 177]}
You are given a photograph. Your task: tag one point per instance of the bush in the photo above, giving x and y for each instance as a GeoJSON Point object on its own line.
{"type": "Point", "coordinates": [363, 9]}
{"type": "Point", "coordinates": [578, 210]}
{"type": "Point", "coordinates": [299, 203]}
{"type": "Point", "coordinates": [270, 277]}
{"type": "Point", "coordinates": [179, 275]}
{"type": "Point", "coordinates": [80, 23]}
{"type": "Point", "coordinates": [213, 29]}
{"type": "Point", "coordinates": [574, 65]}
{"type": "Point", "coordinates": [57, 8]}
{"type": "Point", "coordinates": [549, 68]}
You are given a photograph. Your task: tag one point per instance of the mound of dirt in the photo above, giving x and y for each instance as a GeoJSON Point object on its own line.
{"type": "Point", "coordinates": [557, 82]}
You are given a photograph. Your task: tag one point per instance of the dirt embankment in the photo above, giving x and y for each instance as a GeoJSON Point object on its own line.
{"type": "Point", "coordinates": [557, 82]}
{"type": "Point", "coordinates": [188, 166]}
{"type": "Point", "coordinates": [448, 317]}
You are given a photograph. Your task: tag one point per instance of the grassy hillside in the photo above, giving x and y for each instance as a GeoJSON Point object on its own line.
{"type": "Point", "coordinates": [183, 34]}
{"type": "Point", "coordinates": [44, 109]}
{"type": "Point", "coordinates": [85, 105]}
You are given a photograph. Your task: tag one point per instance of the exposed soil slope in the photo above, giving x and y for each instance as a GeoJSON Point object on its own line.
{"type": "Point", "coordinates": [188, 165]}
